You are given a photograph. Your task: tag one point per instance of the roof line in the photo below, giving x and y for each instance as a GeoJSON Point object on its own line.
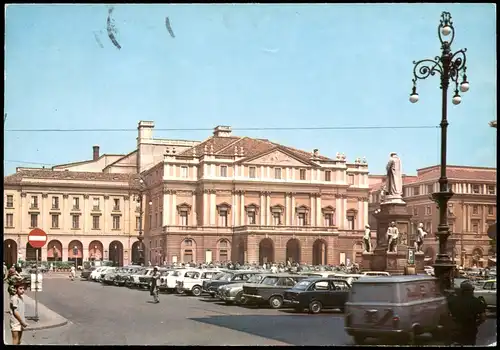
{"type": "Point", "coordinates": [116, 161]}
{"type": "Point", "coordinates": [85, 161]}
{"type": "Point", "coordinates": [239, 138]}
{"type": "Point", "coordinates": [458, 166]}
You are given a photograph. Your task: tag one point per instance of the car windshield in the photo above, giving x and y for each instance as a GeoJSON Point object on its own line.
{"type": "Point", "coordinates": [270, 281]}
{"type": "Point", "coordinates": [225, 277]}
{"type": "Point", "coordinates": [255, 279]}
{"type": "Point", "coordinates": [176, 273]}
{"type": "Point", "coordinates": [165, 273]}
{"type": "Point", "coordinates": [190, 274]}
{"type": "Point", "coordinates": [302, 285]}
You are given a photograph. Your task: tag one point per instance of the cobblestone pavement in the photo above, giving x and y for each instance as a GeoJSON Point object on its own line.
{"type": "Point", "coordinates": [109, 315]}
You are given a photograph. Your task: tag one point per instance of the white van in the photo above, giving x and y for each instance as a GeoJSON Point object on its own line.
{"type": "Point", "coordinates": [396, 308]}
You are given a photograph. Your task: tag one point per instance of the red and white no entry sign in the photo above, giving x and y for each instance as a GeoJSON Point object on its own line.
{"type": "Point", "coordinates": [37, 238]}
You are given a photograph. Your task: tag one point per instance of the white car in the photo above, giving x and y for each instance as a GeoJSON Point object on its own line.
{"type": "Point", "coordinates": [179, 281]}
{"type": "Point", "coordinates": [429, 270]}
{"type": "Point", "coordinates": [193, 284]}
{"type": "Point", "coordinates": [376, 273]}
{"type": "Point", "coordinates": [169, 282]}
{"type": "Point", "coordinates": [96, 274]}
{"type": "Point", "coordinates": [136, 280]}
{"type": "Point", "coordinates": [487, 292]}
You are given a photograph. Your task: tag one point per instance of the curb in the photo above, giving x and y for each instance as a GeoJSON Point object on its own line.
{"type": "Point", "coordinates": [54, 325]}
{"type": "Point", "coordinates": [55, 320]}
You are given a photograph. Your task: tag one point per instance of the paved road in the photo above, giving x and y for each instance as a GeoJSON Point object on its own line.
{"type": "Point", "coordinates": [109, 315]}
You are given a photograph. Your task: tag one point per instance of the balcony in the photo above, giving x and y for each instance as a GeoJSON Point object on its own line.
{"type": "Point", "coordinates": [34, 207]}
{"type": "Point", "coordinates": [286, 229]}
{"type": "Point", "coordinates": [55, 207]}
{"type": "Point", "coordinates": [201, 229]}
{"type": "Point", "coordinates": [96, 208]}
{"type": "Point", "coordinates": [116, 208]}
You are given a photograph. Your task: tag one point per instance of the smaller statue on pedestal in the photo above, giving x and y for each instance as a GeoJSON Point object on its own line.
{"type": "Point", "coordinates": [367, 239]}
{"type": "Point", "coordinates": [393, 234]}
{"type": "Point", "coordinates": [419, 241]}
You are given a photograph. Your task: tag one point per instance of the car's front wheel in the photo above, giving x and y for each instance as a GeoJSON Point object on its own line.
{"type": "Point", "coordinates": [196, 291]}
{"type": "Point", "coordinates": [240, 299]}
{"type": "Point", "coordinates": [276, 302]}
{"type": "Point", "coordinates": [315, 307]}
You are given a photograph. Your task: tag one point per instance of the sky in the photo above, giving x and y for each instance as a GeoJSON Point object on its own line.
{"type": "Point", "coordinates": [246, 66]}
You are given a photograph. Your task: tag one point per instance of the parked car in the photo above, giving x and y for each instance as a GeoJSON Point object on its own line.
{"type": "Point", "coordinates": [129, 278]}
{"type": "Point", "coordinates": [143, 280]}
{"type": "Point", "coordinates": [179, 281]}
{"type": "Point", "coordinates": [96, 274]}
{"type": "Point", "coordinates": [122, 275]}
{"type": "Point", "coordinates": [349, 278]}
{"type": "Point", "coordinates": [317, 294]}
{"type": "Point", "coordinates": [375, 273]}
{"type": "Point", "coordinates": [396, 308]}
{"type": "Point", "coordinates": [211, 287]}
{"type": "Point", "coordinates": [133, 280]}
{"type": "Point", "coordinates": [110, 274]}
{"type": "Point", "coordinates": [429, 270]}
{"type": "Point", "coordinates": [487, 293]}
{"type": "Point", "coordinates": [86, 272]}
{"type": "Point", "coordinates": [104, 271]}
{"type": "Point", "coordinates": [193, 284]}
{"type": "Point", "coordinates": [270, 290]}
{"type": "Point", "coordinates": [233, 293]}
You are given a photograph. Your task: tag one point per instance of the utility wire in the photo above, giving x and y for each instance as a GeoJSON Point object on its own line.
{"type": "Point", "coordinates": [25, 162]}
{"type": "Point", "coordinates": [241, 129]}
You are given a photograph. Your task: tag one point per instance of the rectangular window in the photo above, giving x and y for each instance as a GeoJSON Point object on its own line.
{"type": "Point", "coordinates": [252, 172]}
{"type": "Point", "coordinates": [223, 171]}
{"type": "Point", "coordinates": [161, 219]}
{"type": "Point", "coordinates": [156, 220]}
{"type": "Point", "coordinates": [55, 221]}
{"type": "Point", "coordinates": [34, 203]}
{"type": "Point", "coordinates": [451, 224]}
{"type": "Point", "coordinates": [9, 220]}
{"type": "Point", "coordinates": [490, 210]}
{"type": "Point", "coordinates": [450, 209]}
{"type": "Point", "coordinates": [428, 227]}
{"type": "Point", "coordinates": [95, 222]}
{"type": "Point", "coordinates": [302, 174]}
{"type": "Point", "coordinates": [116, 204]}
{"type": "Point", "coordinates": [184, 172]}
{"type": "Point", "coordinates": [476, 189]}
{"type": "Point", "coordinates": [75, 221]}
{"type": "Point", "coordinates": [184, 218]}
{"type": "Point", "coordinates": [415, 210]}
{"type": "Point", "coordinates": [223, 218]}
{"type": "Point", "coordinates": [223, 256]}
{"type": "Point", "coordinates": [150, 221]}
{"type": "Point", "coordinates": [430, 188]}
{"type": "Point", "coordinates": [76, 203]}
{"type": "Point", "coordinates": [96, 203]}
{"type": "Point", "coordinates": [276, 219]}
{"type": "Point", "coordinates": [34, 220]}
{"type": "Point", "coordinates": [428, 210]}
{"type": "Point", "coordinates": [137, 223]}
{"type": "Point", "coordinates": [329, 220]}
{"type": "Point", "coordinates": [475, 209]}
{"type": "Point", "coordinates": [416, 191]}
{"type": "Point", "coordinates": [10, 201]}
{"type": "Point", "coordinates": [116, 222]}
{"type": "Point", "coordinates": [475, 226]}
{"type": "Point", "coordinates": [350, 179]}
{"type": "Point", "coordinates": [328, 175]}
{"type": "Point", "coordinates": [301, 219]}
{"type": "Point", "coordinates": [55, 202]}
{"type": "Point", "coordinates": [491, 190]}
{"type": "Point", "coordinates": [251, 218]}
{"type": "Point", "coordinates": [350, 222]}
{"type": "Point", "coordinates": [277, 173]}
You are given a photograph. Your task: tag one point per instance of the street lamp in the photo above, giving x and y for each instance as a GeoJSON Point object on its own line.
{"type": "Point", "coordinates": [449, 66]}
{"type": "Point", "coordinates": [140, 238]}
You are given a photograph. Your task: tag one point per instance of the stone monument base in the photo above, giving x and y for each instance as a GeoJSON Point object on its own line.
{"type": "Point", "coordinates": [392, 262]}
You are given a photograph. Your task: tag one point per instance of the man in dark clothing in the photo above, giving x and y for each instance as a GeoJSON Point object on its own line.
{"type": "Point", "coordinates": [468, 313]}
{"type": "Point", "coordinates": [155, 280]}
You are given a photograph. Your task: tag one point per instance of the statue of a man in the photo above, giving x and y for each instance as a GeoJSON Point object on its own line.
{"type": "Point", "coordinates": [367, 239]}
{"type": "Point", "coordinates": [393, 234]}
{"type": "Point", "coordinates": [394, 183]}
{"type": "Point", "coordinates": [419, 241]}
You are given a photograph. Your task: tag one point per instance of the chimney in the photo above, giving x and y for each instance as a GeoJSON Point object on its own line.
{"type": "Point", "coordinates": [95, 153]}
{"type": "Point", "coordinates": [222, 131]}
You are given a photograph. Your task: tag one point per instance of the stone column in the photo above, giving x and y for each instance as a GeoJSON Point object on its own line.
{"type": "Point", "coordinates": [365, 212]}
{"type": "Point", "coordinates": [292, 216]}
{"type": "Point", "coordinates": [22, 212]}
{"type": "Point", "coordinates": [173, 210]}
{"type": "Point", "coordinates": [234, 202]}
{"type": "Point", "coordinates": [318, 210]}
{"type": "Point", "coordinates": [287, 209]}
{"type": "Point", "coordinates": [213, 208]}
{"type": "Point", "coordinates": [268, 205]}
{"type": "Point", "coordinates": [206, 206]}
{"type": "Point", "coordinates": [194, 211]}
{"type": "Point", "coordinates": [107, 218]}
{"type": "Point", "coordinates": [242, 208]}
{"type": "Point", "coordinates": [64, 213]}
{"type": "Point", "coordinates": [126, 217]}
{"type": "Point", "coordinates": [360, 216]}
{"type": "Point", "coordinates": [338, 211]}
{"type": "Point", "coordinates": [44, 213]}
{"type": "Point", "coordinates": [167, 208]}
{"type": "Point", "coordinates": [263, 210]}
{"type": "Point", "coordinates": [312, 212]}
{"type": "Point", "coordinates": [86, 211]}
{"type": "Point", "coordinates": [344, 211]}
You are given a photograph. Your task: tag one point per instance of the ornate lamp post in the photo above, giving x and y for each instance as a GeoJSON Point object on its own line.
{"type": "Point", "coordinates": [449, 66]}
{"type": "Point", "coordinates": [139, 200]}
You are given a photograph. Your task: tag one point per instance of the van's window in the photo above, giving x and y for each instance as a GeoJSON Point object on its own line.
{"type": "Point", "coordinates": [364, 292]}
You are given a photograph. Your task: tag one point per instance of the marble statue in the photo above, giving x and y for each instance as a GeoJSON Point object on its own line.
{"type": "Point", "coordinates": [419, 241]}
{"type": "Point", "coordinates": [367, 239]}
{"type": "Point", "coordinates": [393, 234]}
{"type": "Point", "coordinates": [394, 181]}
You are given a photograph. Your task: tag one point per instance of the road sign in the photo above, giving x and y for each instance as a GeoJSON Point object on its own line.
{"type": "Point", "coordinates": [411, 256]}
{"type": "Point", "coordinates": [36, 282]}
{"type": "Point", "coordinates": [37, 238]}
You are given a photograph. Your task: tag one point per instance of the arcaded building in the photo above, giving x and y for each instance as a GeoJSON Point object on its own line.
{"type": "Point", "coordinates": [225, 198]}
{"type": "Point", "coordinates": [471, 210]}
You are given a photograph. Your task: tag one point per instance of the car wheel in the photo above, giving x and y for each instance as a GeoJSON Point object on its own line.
{"type": "Point", "coordinates": [196, 291]}
{"type": "Point", "coordinates": [240, 299]}
{"type": "Point", "coordinates": [276, 302]}
{"type": "Point", "coordinates": [315, 307]}
{"type": "Point", "coordinates": [359, 340]}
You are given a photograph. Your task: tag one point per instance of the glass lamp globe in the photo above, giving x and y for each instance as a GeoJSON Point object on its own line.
{"type": "Point", "coordinates": [456, 99]}
{"type": "Point", "coordinates": [414, 98]}
{"type": "Point", "coordinates": [464, 87]}
{"type": "Point", "coordinates": [446, 30]}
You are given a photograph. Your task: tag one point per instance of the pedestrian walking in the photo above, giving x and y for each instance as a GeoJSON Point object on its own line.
{"type": "Point", "coordinates": [17, 317]}
{"type": "Point", "coordinates": [468, 313]}
{"type": "Point", "coordinates": [155, 281]}
{"type": "Point", "coordinates": [72, 273]}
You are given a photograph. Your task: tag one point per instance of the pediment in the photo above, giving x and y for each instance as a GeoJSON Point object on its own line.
{"type": "Point", "coordinates": [275, 158]}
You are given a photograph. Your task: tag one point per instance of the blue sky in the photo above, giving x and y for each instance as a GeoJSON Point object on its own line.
{"type": "Point", "coordinates": [245, 66]}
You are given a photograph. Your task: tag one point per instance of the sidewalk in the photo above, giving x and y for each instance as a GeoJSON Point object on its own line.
{"type": "Point", "coordinates": [47, 317]}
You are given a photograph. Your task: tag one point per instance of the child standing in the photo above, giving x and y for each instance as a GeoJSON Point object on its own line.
{"type": "Point", "coordinates": [17, 318]}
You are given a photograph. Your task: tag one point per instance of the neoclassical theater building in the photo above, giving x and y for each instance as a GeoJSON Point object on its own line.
{"type": "Point", "coordinates": [226, 198]}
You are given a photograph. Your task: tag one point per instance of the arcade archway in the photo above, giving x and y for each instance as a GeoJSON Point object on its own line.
{"type": "Point", "coordinates": [75, 252]}
{"type": "Point", "coordinates": [266, 251]}
{"type": "Point", "coordinates": [293, 250]}
{"type": "Point", "coordinates": [319, 252]}
{"type": "Point", "coordinates": [96, 251]}
{"type": "Point", "coordinates": [116, 253]}
{"type": "Point", "coordinates": [10, 252]}
{"type": "Point", "coordinates": [54, 250]}
{"type": "Point", "coordinates": [31, 253]}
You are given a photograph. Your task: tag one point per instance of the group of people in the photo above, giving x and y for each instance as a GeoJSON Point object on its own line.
{"type": "Point", "coordinates": [16, 285]}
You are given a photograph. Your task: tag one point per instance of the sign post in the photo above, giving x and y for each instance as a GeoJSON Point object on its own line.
{"type": "Point", "coordinates": [37, 238]}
